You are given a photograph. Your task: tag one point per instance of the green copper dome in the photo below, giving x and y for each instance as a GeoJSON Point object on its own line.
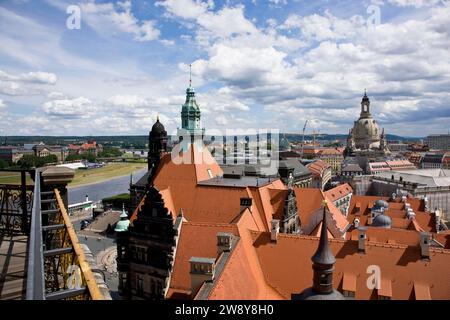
{"type": "Point", "coordinates": [122, 226]}
{"type": "Point", "coordinates": [124, 223]}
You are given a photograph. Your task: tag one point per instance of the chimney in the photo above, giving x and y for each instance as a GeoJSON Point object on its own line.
{"type": "Point", "coordinates": [410, 214]}
{"type": "Point", "coordinates": [362, 239]}
{"type": "Point", "coordinates": [275, 230]}
{"type": "Point", "coordinates": [356, 223]}
{"type": "Point", "coordinates": [246, 203]}
{"type": "Point", "coordinates": [425, 239]}
{"type": "Point", "coordinates": [202, 270]}
{"type": "Point", "coordinates": [87, 198]}
{"type": "Point", "coordinates": [437, 219]}
{"type": "Point", "coordinates": [224, 241]}
{"type": "Point", "coordinates": [404, 199]}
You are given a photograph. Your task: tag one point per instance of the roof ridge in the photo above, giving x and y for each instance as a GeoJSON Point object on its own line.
{"type": "Point", "coordinates": [208, 224]}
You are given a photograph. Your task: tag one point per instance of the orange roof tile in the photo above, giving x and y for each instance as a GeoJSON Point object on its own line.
{"type": "Point", "coordinates": [422, 291]}
{"type": "Point", "coordinates": [339, 192]}
{"type": "Point", "coordinates": [349, 282]}
{"type": "Point", "coordinates": [196, 240]}
{"type": "Point", "coordinates": [399, 264]}
{"type": "Point", "coordinates": [309, 203]}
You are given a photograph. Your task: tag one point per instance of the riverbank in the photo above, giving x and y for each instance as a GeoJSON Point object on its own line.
{"type": "Point", "coordinates": [108, 172]}
{"type": "Point", "coordinates": [85, 177]}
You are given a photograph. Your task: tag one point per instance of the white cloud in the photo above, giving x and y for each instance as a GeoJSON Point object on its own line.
{"type": "Point", "coordinates": [35, 77]}
{"type": "Point", "coordinates": [2, 106]}
{"type": "Point", "coordinates": [186, 9]}
{"type": "Point", "coordinates": [105, 16]}
{"type": "Point", "coordinates": [31, 83]}
{"type": "Point", "coordinates": [224, 23]}
{"type": "Point", "coordinates": [70, 108]}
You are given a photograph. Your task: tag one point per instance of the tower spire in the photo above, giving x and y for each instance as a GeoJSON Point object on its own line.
{"type": "Point", "coordinates": [190, 75]}
{"type": "Point", "coordinates": [323, 255]}
{"type": "Point", "coordinates": [323, 267]}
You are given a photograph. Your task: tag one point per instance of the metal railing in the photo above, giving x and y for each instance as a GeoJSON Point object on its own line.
{"type": "Point", "coordinates": [57, 266]}
{"type": "Point", "coordinates": [16, 202]}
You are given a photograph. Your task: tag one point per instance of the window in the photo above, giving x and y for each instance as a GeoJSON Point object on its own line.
{"type": "Point", "coordinates": [122, 252]}
{"type": "Point", "coordinates": [159, 289]}
{"type": "Point", "coordinates": [323, 279]}
{"type": "Point", "coordinates": [349, 294]}
{"type": "Point", "coordinates": [123, 280]}
{"type": "Point", "coordinates": [139, 285]}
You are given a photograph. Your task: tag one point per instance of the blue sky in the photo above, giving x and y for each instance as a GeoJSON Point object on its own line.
{"type": "Point", "coordinates": [255, 64]}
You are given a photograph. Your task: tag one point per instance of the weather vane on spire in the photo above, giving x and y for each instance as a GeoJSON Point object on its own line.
{"type": "Point", "coordinates": [190, 75]}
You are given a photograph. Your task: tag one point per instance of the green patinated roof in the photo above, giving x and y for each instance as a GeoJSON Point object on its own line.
{"type": "Point", "coordinates": [122, 226]}
{"type": "Point", "coordinates": [190, 104]}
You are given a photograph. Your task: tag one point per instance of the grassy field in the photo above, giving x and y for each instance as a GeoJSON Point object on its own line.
{"type": "Point", "coordinates": [12, 178]}
{"type": "Point", "coordinates": [83, 177]}
{"type": "Point", "coordinates": [111, 170]}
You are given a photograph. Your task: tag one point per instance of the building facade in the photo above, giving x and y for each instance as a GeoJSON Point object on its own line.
{"type": "Point", "coordinates": [438, 141]}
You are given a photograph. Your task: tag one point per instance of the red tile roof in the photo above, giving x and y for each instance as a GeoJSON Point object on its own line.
{"type": "Point", "coordinates": [339, 192]}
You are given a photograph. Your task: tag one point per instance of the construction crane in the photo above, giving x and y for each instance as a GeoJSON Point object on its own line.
{"type": "Point", "coordinates": [303, 138]}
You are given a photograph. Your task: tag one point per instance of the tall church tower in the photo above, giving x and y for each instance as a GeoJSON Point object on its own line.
{"type": "Point", "coordinates": [291, 222]}
{"type": "Point", "coordinates": [190, 114]}
{"type": "Point", "coordinates": [157, 145]}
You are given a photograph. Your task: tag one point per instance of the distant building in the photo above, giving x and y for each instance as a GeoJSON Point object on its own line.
{"type": "Point", "coordinates": [397, 146]}
{"type": "Point", "coordinates": [302, 177]}
{"type": "Point", "coordinates": [351, 170]}
{"type": "Point", "coordinates": [321, 172]}
{"type": "Point", "coordinates": [334, 157]}
{"type": "Point", "coordinates": [414, 158]}
{"type": "Point", "coordinates": [438, 141]}
{"type": "Point", "coordinates": [90, 147]}
{"type": "Point", "coordinates": [381, 166]}
{"type": "Point", "coordinates": [341, 197]}
{"type": "Point", "coordinates": [432, 161]}
{"type": "Point", "coordinates": [432, 184]}
{"type": "Point", "coordinates": [43, 150]}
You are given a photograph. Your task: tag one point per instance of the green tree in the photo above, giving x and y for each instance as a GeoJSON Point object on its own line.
{"type": "Point", "coordinates": [90, 158]}
{"type": "Point", "coordinates": [3, 164]}
{"type": "Point", "coordinates": [31, 161]}
{"type": "Point", "coordinates": [27, 161]}
{"type": "Point", "coordinates": [110, 152]}
{"type": "Point", "coordinates": [74, 157]}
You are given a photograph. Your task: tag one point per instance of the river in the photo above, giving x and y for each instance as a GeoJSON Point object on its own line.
{"type": "Point", "coordinates": [98, 191]}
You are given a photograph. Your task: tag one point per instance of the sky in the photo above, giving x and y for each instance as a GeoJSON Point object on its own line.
{"type": "Point", "coordinates": [255, 65]}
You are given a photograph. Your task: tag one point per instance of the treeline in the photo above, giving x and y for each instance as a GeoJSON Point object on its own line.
{"type": "Point", "coordinates": [108, 152]}
{"type": "Point", "coordinates": [29, 161]}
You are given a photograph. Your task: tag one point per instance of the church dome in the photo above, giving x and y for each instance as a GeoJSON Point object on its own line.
{"type": "Point", "coordinates": [158, 127]}
{"type": "Point", "coordinates": [123, 224]}
{"type": "Point", "coordinates": [367, 133]}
